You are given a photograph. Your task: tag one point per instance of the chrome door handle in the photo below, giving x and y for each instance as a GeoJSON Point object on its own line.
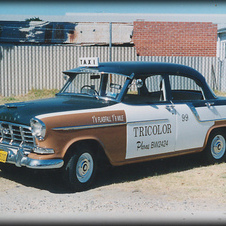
{"type": "Point", "coordinates": [209, 104]}
{"type": "Point", "coordinates": [171, 108]}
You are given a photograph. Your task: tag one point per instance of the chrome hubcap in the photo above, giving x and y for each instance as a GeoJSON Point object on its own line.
{"type": "Point", "coordinates": [218, 146]}
{"type": "Point", "coordinates": [84, 167]}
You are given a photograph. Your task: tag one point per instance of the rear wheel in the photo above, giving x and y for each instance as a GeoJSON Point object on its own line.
{"type": "Point", "coordinates": [80, 169]}
{"type": "Point", "coordinates": [216, 147]}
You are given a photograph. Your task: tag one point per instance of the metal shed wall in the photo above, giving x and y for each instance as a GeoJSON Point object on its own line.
{"type": "Point", "coordinates": [25, 67]}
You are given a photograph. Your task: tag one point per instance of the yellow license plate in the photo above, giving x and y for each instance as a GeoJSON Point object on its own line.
{"type": "Point", "coordinates": [3, 156]}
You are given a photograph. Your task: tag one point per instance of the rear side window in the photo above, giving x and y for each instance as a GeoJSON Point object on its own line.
{"type": "Point", "coordinates": [184, 88]}
{"type": "Point", "coordinates": [146, 90]}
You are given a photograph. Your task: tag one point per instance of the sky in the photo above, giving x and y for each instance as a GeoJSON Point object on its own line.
{"type": "Point", "coordinates": [65, 6]}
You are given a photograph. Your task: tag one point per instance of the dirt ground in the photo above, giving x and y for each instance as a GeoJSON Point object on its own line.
{"type": "Point", "coordinates": [178, 189]}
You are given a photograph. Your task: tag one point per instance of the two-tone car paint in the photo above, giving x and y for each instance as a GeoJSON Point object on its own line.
{"type": "Point", "coordinates": [126, 131]}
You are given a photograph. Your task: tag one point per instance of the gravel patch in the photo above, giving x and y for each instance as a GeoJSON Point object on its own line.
{"type": "Point", "coordinates": [157, 191]}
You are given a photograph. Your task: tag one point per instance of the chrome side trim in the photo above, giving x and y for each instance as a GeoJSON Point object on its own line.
{"type": "Point", "coordinates": [105, 125]}
{"type": "Point", "coordinates": [149, 121]}
{"type": "Point", "coordinates": [194, 111]}
{"type": "Point", "coordinates": [89, 126]}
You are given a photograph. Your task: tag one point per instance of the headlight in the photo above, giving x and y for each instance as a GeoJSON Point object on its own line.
{"type": "Point", "coordinates": [38, 128]}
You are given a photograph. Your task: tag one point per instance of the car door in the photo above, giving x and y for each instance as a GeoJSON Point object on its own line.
{"type": "Point", "coordinates": [190, 132]}
{"type": "Point", "coordinates": [151, 120]}
{"type": "Point", "coordinates": [194, 114]}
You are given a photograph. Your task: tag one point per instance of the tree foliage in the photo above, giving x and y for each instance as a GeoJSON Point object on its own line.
{"type": "Point", "coordinates": [33, 19]}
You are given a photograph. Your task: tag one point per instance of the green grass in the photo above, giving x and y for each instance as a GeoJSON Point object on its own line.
{"type": "Point", "coordinates": [219, 93]}
{"type": "Point", "coordinates": [46, 93]}
{"type": "Point", "coordinates": [31, 95]}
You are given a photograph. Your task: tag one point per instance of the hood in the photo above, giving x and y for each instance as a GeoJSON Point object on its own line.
{"type": "Point", "coordinates": [22, 112]}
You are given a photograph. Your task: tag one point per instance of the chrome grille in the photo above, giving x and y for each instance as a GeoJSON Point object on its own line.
{"type": "Point", "coordinates": [16, 135]}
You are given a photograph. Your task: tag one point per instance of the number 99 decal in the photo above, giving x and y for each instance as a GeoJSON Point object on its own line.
{"type": "Point", "coordinates": [184, 117]}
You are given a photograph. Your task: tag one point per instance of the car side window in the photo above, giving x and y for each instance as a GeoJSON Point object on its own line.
{"type": "Point", "coordinates": [184, 88]}
{"type": "Point", "coordinates": [145, 90]}
{"type": "Point", "coordinates": [155, 87]}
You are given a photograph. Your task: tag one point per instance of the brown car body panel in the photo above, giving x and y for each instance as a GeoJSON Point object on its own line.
{"type": "Point", "coordinates": [66, 129]}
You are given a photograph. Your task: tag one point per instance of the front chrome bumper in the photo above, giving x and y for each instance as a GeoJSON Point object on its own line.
{"type": "Point", "coordinates": [19, 157]}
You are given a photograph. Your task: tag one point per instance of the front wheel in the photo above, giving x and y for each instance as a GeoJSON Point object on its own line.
{"type": "Point", "coordinates": [216, 148]}
{"type": "Point", "coordinates": [80, 169]}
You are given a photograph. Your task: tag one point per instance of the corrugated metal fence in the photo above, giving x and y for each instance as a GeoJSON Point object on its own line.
{"type": "Point", "coordinates": [25, 67]}
{"type": "Point", "coordinates": [222, 65]}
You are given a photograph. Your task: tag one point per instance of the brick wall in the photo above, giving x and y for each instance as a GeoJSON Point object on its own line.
{"type": "Point", "coordinates": [175, 38]}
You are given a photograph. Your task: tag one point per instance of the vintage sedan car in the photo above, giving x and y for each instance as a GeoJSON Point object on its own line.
{"type": "Point", "coordinates": [124, 112]}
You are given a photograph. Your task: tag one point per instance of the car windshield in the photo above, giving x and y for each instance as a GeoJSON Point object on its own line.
{"type": "Point", "coordinates": [98, 85]}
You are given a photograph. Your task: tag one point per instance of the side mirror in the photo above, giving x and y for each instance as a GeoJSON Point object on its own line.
{"type": "Point", "coordinates": [65, 77]}
{"type": "Point", "coordinates": [139, 83]}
